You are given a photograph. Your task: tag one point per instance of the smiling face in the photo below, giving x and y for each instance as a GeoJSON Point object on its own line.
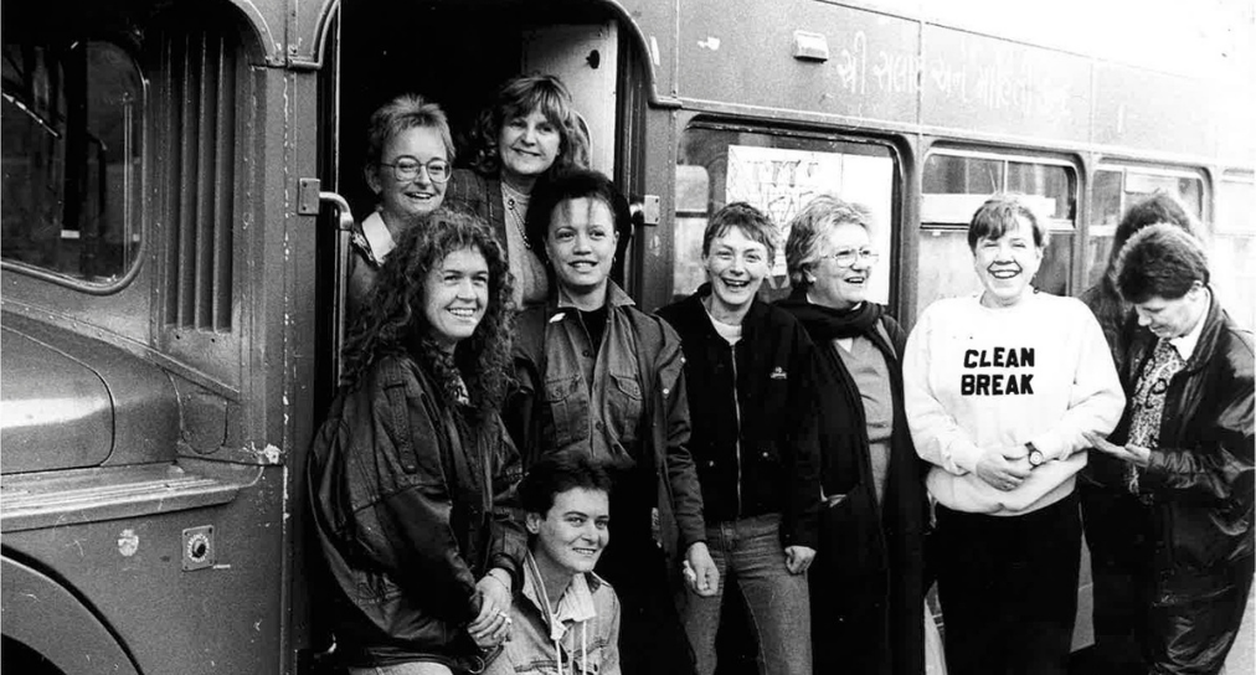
{"type": "Point", "coordinates": [457, 295]}
{"type": "Point", "coordinates": [581, 246]}
{"type": "Point", "coordinates": [572, 534]}
{"type": "Point", "coordinates": [1172, 318]}
{"type": "Point", "coordinates": [838, 286]}
{"type": "Point", "coordinates": [736, 266]}
{"type": "Point", "coordinates": [1006, 265]}
{"type": "Point", "coordinates": [403, 200]}
{"type": "Point", "coordinates": [528, 145]}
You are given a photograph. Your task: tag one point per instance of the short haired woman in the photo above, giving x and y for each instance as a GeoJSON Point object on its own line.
{"type": "Point", "coordinates": [1103, 298]}
{"type": "Point", "coordinates": [1109, 510]}
{"type": "Point", "coordinates": [748, 368]}
{"type": "Point", "coordinates": [531, 132]}
{"type": "Point", "coordinates": [1186, 442]}
{"type": "Point", "coordinates": [409, 159]}
{"type": "Point", "coordinates": [1000, 389]}
{"type": "Point", "coordinates": [565, 618]}
{"type": "Point", "coordinates": [411, 477]}
{"type": "Point", "coordinates": [597, 376]}
{"type": "Point", "coordinates": [867, 584]}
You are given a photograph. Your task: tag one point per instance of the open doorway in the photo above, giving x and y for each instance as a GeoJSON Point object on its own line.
{"type": "Point", "coordinates": [457, 54]}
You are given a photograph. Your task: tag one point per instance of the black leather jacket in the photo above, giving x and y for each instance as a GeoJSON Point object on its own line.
{"type": "Point", "coordinates": [1201, 475]}
{"type": "Point", "coordinates": [412, 502]}
{"type": "Point", "coordinates": [752, 409]}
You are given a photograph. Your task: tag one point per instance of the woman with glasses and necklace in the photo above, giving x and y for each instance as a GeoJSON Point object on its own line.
{"type": "Point", "coordinates": [409, 159]}
{"type": "Point", "coordinates": [867, 584]}
{"type": "Point", "coordinates": [1001, 388]}
{"type": "Point", "coordinates": [529, 133]}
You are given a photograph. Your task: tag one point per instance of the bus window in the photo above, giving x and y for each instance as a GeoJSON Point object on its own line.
{"type": "Point", "coordinates": [778, 173]}
{"type": "Point", "coordinates": [1115, 190]}
{"type": "Point", "coordinates": [955, 184]}
{"type": "Point", "coordinates": [1234, 246]}
{"type": "Point", "coordinates": [72, 123]}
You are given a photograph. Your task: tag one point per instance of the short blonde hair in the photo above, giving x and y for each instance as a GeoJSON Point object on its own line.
{"type": "Point", "coordinates": [810, 225]}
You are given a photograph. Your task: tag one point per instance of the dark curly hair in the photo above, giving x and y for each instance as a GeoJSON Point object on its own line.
{"type": "Point", "coordinates": [518, 97]}
{"type": "Point", "coordinates": [392, 320]}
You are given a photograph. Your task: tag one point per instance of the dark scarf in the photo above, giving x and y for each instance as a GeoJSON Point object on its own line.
{"type": "Point", "coordinates": [824, 324]}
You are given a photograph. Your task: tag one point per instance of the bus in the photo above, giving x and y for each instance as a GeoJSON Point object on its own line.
{"type": "Point", "coordinates": [180, 179]}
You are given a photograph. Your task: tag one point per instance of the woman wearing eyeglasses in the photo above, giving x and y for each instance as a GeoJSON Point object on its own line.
{"type": "Point", "coordinates": [530, 132]}
{"type": "Point", "coordinates": [409, 155]}
{"type": "Point", "coordinates": [867, 588]}
{"type": "Point", "coordinates": [1001, 388]}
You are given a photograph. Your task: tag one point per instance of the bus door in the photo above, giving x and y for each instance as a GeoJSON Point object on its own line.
{"type": "Point", "coordinates": [457, 55]}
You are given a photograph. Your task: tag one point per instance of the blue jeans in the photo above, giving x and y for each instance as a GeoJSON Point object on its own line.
{"type": "Point", "coordinates": [778, 603]}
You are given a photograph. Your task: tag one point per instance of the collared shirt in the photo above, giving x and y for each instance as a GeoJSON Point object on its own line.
{"type": "Point", "coordinates": [580, 636]}
{"type": "Point", "coordinates": [378, 238]}
{"type": "Point", "coordinates": [1185, 344]}
{"type": "Point", "coordinates": [575, 606]}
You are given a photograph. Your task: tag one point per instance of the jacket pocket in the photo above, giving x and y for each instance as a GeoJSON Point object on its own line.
{"type": "Point", "coordinates": [624, 407]}
{"type": "Point", "coordinates": [569, 407]}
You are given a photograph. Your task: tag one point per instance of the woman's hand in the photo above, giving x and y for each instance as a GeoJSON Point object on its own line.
{"type": "Point", "coordinates": [492, 626]}
{"type": "Point", "coordinates": [1004, 468]}
{"type": "Point", "coordinates": [798, 558]}
{"type": "Point", "coordinates": [1134, 454]}
{"type": "Point", "coordinates": [702, 575]}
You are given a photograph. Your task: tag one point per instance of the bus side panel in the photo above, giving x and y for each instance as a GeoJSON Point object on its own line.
{"type": "Point", "coordinates": [221, 618]}
{"type": "Point", "coordinates": [993, 86]}
{"type": "Point", "coordinates": [1177, 118]}
{"type": "Point", "coordinates": [870, 72]}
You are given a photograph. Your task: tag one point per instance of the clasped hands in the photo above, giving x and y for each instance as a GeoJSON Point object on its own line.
{"type": "Point", "coordinates": [1004, 468]}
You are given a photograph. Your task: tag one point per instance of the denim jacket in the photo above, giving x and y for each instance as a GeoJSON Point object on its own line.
{"type": "Point", "coordinates": [567, 397]}
{"type": "Point", "coordinates": [587, 643]}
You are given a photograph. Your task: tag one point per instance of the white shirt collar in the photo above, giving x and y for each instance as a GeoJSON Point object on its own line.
{"type": "Point", "coordinates": [378, 236]}
{"type": "Point", "coordinates": [1185, 344]}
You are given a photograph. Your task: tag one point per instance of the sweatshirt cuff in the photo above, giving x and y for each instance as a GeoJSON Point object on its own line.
{"type": "Point", "coordinates": [965, 454]}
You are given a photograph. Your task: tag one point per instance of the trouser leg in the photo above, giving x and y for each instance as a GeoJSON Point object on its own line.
{"type": "Point", "coordinates": [1008, 587]}
{"type": "Point", "coordinates": [778, 602]}
{"type": "Point", "coordinates": [1117, 528]}
{"type": "Point", "coordinates": [701, 616]}
{"type": "Point", "coordinates": [1195, 618]}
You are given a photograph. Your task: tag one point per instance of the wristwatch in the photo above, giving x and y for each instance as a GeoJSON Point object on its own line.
{"type": "Point", "coordinates": [1036, 458]}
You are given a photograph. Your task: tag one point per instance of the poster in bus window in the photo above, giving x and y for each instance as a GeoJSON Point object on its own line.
{"type": "Point", "coordinates": [782, 181]}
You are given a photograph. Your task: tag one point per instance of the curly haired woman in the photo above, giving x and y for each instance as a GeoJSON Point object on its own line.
{"type": "Point", "coordinates": [412, 478]}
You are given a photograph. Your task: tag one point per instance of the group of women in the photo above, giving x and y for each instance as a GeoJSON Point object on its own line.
{"type": "Point", "coordinates": [788, 448]}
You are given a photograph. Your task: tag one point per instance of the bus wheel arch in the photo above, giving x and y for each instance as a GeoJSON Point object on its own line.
{"type": "Point", "coordinates": [45, 619]}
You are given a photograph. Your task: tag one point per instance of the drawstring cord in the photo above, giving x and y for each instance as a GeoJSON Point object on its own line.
{"type": "Point", "coordinates": [553, 620]}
